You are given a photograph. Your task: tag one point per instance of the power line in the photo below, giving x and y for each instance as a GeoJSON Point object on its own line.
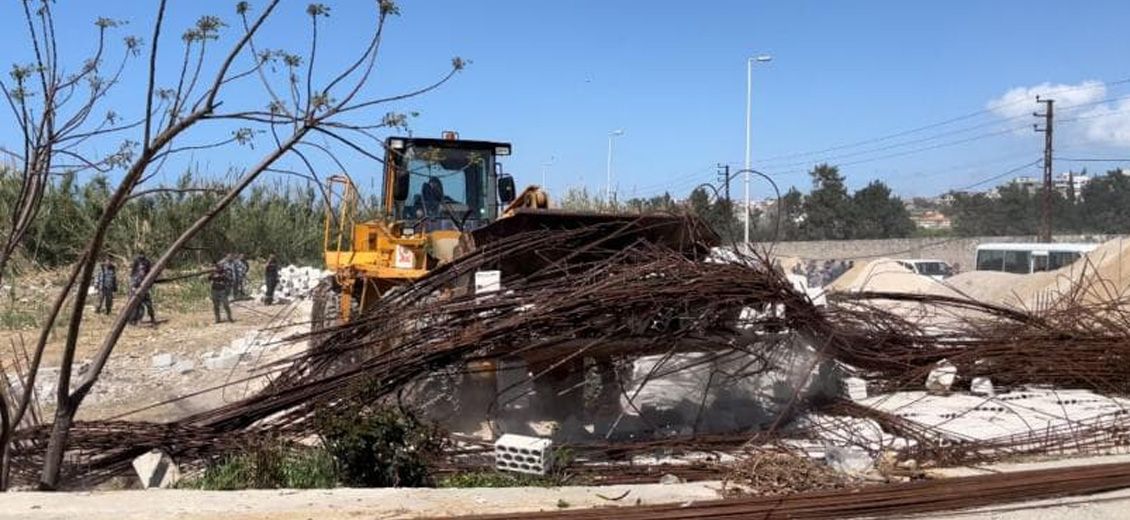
{"type": "Point", "coordinates": [833, 160]}
{"type": "Point", "coordinates": [959, 131]}
{"type": "Point", "coordinates": [945, 122]}
{"type": "Point", "coordinates": [917, 150]}
{"type": "Point", "coordinates": [836, 158]}
{"type": "Point", "coordinates": [1094, 116]}
{"type": "Point", "coordinates": [998, 176]}
{"type": "Point", "coordinates": [1092, 159]}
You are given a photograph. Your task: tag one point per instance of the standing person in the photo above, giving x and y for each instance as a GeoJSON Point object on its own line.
{"type": "Point", "coordinates": [107, 285]}
{"type": "Point", "coordinates": [227, 265]}
{"type": "Point", "coordinates": [140, 264]}
{"type": "Point", "coordinates": [138, 270]}
{"type": "Point", "coordinates": [241, 270]}
{"type": "Point", "coordinates": [271, 273]}
{"type": "Point", "coordinates": [220, 285]}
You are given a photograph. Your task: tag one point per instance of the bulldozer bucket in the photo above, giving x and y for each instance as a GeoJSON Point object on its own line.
{"type": "Point", "coordinates": [675, 232]}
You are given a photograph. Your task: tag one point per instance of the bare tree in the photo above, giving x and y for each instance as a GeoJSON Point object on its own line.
{"type": "Point", "coordinates": [301, 103]}
{"type": "Point", "coordinates": [55, 112]}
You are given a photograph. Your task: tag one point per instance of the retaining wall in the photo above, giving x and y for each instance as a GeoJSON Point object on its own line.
{"type": "Point", "coordinates": [955, 250]}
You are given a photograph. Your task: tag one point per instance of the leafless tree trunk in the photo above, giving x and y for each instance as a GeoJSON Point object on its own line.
{"type": "Point", "coordinates": [42, 98]}
{"type": "Point", "coordinates": [5, 433]}
{"type": "Point", "coordinates": [170, 114]}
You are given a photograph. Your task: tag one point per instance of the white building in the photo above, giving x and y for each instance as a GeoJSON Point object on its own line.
{"type": "Point", "coordinates": [1061, 183]}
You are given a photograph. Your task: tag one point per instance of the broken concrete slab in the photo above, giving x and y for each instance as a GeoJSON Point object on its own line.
{"type": "Point", "coordinates": [941, 378]}
{"type": "Point", "coordinates": [854, 388]}
{"type": "Point", "coordinates": [981, 386]}
{"type": "Point", "coordinates": [221, 362]}
{"type": "Point", "coordinates": [156, 470]}
{"type": "Point", "coordinates": [184, 366]}
{"type": "Point", "coordinates": [849, 460]}
{"type": "Point", "coordinates": [161, 361]}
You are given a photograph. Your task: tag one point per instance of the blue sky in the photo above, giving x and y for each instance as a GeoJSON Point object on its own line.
{"type": "Point", "coordinates": [554, 78]}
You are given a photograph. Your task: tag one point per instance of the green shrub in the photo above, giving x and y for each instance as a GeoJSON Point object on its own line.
{"type": "Point", "coordinates": [269, 466]}
{"type": "Point", "coordinates": [490, 478]}
{"type": "Point", "coordinates": [498, 479]}
{"type": "Point", "coordinates": [380, 446]}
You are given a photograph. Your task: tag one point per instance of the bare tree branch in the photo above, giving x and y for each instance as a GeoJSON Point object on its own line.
{"type": "Point", "coordinates": [259, 62]}
{"type": "Point", "coordinates": [153, 72]}
{"type": "Point", "coordinates": [456, 67]}
{"type": "Point", "coordinates": [369, 57]}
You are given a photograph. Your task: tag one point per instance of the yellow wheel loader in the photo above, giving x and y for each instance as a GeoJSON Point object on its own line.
{"type": "Point", "coordinates": [439, 198]}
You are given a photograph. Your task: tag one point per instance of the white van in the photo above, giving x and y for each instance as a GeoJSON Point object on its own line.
{"type": "Point", "coordinates": [935, 269]}
{"type": "Point", "coordinates": [1025, 258]}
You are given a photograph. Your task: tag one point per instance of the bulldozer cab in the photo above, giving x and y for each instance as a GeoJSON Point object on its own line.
{"type": "Point", "coordinates": [434, 192]}
{"type": "Point", "coordinates": [444, 184]}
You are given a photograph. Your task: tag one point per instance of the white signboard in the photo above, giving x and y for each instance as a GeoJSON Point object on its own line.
{"type": "Point", "coordinates": [404, 258]}
{"type": "Point", "coordinates": [488, 282]}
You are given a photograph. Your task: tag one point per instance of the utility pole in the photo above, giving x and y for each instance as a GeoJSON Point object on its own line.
{"type": "Point", "coordinates": [1046, 216]}
{"type": "Point", "coordinates": [724, 176]}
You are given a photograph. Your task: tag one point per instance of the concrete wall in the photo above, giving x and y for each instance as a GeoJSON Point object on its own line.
{"type": "Point", "coordinates": [955, 251]}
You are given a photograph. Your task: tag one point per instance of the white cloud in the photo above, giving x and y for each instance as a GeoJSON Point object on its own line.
{"type": "Point", "coordinates": [1083, 112]}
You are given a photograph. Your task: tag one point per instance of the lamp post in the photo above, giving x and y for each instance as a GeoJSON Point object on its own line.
{"type": "Point", "coordinates": [762, 58]}
{"type": "Point", "coordinates": [544, 168]}
{"type": "Point", "coordinates": [608, 185]}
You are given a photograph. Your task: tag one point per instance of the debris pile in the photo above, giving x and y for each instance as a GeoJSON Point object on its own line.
{"type": "Point", "coordinates": [777, 471]}
{"type": "Point", "coordinates": [637, 353]}
{"type": "Point", "coordinates": [295, 282]}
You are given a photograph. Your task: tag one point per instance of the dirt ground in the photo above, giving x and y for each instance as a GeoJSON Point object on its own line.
{"type": "Point", "coordinates": [134, 379]}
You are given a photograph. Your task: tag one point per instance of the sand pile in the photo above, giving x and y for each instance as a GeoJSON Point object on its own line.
{"type": "Point", "coordinates": [986, 286]}
{"type": "Point", "coordinates": [887, 275]}
{"type": "Point", "coordinates": [1104, 272]}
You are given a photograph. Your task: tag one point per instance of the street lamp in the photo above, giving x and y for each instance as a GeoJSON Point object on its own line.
{"type": "Point", "coordinates": [762, 58]}
{"type": "Point", "coordinates": [608, 186]}
{"type": "Point", "coordinates": [544, 167]}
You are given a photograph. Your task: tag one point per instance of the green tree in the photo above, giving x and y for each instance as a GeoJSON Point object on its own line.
{"type": "Point", "coordinates": [876, 213]}
{"type": "Point", "coordinates": [827, 209]}
{"type": "Point", "coordinates": [658, 203]}
{"type": "Point", "coordinates": [718, 213]}
{"type": "Point", "coordinates": [789, 212]}
{"type": "Point", "coordinates": [1105, 203]}
{"type": "Point", "coordinates": [1012, 210]}
{"type": "Point", "coordinates": [579, 199]}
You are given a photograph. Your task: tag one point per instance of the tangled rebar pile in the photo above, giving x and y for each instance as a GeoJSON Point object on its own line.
{"type": "Point", "coordinates": [580, 304]}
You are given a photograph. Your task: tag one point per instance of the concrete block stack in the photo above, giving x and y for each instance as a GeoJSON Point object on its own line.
{"type": "Point", "coordinates": [295, 282]}
{"type": "Point", "coordinates": [523, 454]}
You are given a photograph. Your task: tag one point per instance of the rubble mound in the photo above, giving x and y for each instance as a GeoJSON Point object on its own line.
{"type": "Point", "coordinates": [986, 286]}
{"type": "Point", "coordinates": [296, 282]}
{"type": "Point", "coordinates": [887, 275]}
{"type": "Point", "coordinates": [775, 472]}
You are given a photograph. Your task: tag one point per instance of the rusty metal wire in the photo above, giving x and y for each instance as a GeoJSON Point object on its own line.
{"type": "Point", "coordinates": [895, 500]}
{"type": "Point", "coordinates": [602, 292]}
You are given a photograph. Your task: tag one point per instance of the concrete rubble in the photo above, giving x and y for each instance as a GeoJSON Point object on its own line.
{"type": "Point", "coordinates": [295, 282]}
{"type": "Point", "coordinates": [155, 469]}
{"type": "Point", "coordinates": [248, 347]}
{"type": "Point", "coordinates": [860, 389]}
{"type": "Point", "coordinates": [163, 361]}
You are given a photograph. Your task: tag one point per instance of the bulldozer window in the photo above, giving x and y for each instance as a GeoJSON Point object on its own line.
{"type": "Point", "coordinates": [448, 188]}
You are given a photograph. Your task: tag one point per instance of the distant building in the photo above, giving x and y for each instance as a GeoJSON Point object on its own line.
{"type": "Point", "coordinates": [931, 219]}
{"type": "Point", "coordinates": [1063, 183]}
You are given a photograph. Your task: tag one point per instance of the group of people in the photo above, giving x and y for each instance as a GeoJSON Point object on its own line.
{"type": "Point", "coordinates": [107, 285]}
{"type": "Point", "coordinates": [228, 281]}
{"type": "Point", "coordinates": [821, 274]}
